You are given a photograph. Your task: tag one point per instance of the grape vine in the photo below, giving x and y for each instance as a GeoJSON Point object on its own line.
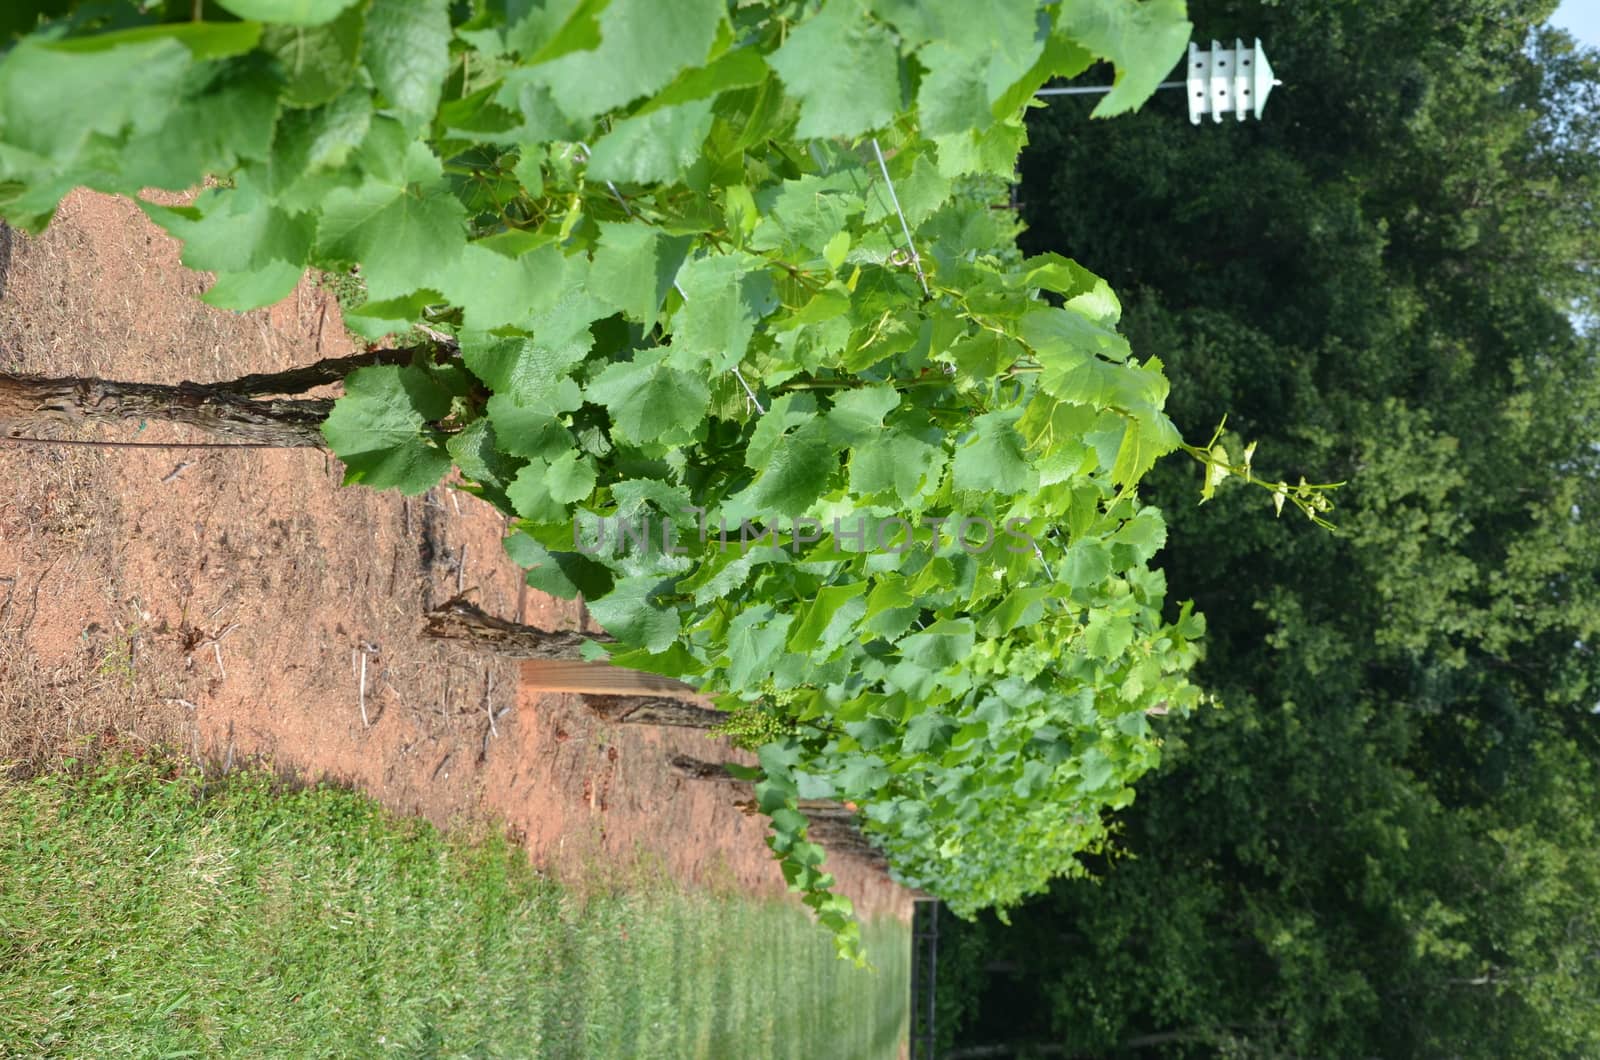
{"type": "Point", "coordinates": [730, 324]}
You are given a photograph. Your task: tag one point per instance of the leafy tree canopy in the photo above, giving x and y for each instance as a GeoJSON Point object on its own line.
{"type": "Point", "coordinates": [1380, 845]}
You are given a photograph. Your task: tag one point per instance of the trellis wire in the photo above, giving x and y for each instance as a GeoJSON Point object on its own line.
{"type": "Point", "coordinates": [911, 246]}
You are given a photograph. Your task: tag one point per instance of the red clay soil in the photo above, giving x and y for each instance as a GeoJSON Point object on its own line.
{"type": "Point", "coordinates": [230, 599]}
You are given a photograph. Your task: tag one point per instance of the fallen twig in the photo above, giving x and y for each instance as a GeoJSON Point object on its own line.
{"type": "Point", "coordinates": [488, 701]}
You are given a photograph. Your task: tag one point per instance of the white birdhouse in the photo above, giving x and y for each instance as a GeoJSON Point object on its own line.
{"type": "Point", "coordinates": [1233, 79]}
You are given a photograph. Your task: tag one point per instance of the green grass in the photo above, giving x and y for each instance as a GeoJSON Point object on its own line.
{"type": "Point", "coordinates": [145, 913]}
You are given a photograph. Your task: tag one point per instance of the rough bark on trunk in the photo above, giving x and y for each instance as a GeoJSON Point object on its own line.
{"type": "Point", "coordinates": [654, 710]}
{"type": "Point", "coordinates": [832, 824]}
{"type": "Point", "coordinates": [693, 768]}
{"type": "Point", "coordinates": [290, 423]}
{"type": "Point", "coordinates": [459, 620]}
{"type": "Point", "coordinates": [299, 380]}
{"type": "Point", "coordinates": [844, 837]}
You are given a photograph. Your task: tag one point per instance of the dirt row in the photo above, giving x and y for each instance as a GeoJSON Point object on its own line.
{"type": "Point", "coordinates": [244, 605]}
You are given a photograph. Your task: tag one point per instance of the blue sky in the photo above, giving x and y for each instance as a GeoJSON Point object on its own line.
{"type": "Point", "coordinates": [1581, 18]}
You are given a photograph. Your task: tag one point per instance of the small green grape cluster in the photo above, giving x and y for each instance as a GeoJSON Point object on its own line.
{"type": "Point", "coordinates": [753, 724]}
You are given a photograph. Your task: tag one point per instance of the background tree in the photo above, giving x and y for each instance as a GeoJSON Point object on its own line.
{"type": "Point", "coordinates": [1378, 846]}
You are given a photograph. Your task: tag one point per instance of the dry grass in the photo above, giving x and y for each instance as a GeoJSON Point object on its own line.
{"type": "Point", "coordinates": [98, 298]}
{"type": "Point", "coordinates": [102, 697]}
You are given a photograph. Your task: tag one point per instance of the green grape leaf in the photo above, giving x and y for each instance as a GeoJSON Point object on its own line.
{"type": "Point", "coordinates": [636, 496]}
{"type": "Point", "coordinates": [253, 288]}
{"type": "Point", "coordinates": [920, 191]}
{"type": "Point", "coordinates": [1190, 624]}
{"type": "Point", "coordinates": [494, 290]}
{"type": "Point", "coordinates": [857, 414]}
{"type": "Point", "coordinates": [534, 369]}
{"type": "Point", "coordinates": [1061, 58]}
{"type": "Point", "coordinates": [992, 152]}
{"type": "Point", "coordinates": [406, 48]}
{"type": "Point", "coordinates": [531, 496]}
{"type": "Point", "coordinates": [899, 461]}
{"type": "Point", "coordinates": [862, 775]}
{"type": "Point", "coordinates": [205, 40]}
{"type": "Point", "coordinates": [1086, 564]}
{"type": "Point", "coordinates": [1144, 38]}
{"type": "Point", "coordinates": [1067, 331]}
{"type": "Point", "coordinates": [1056, 430]}
{"type": "Point", "coordinates": [563, 574]}
{"type": "Point", "coordinates": [805, 214]}
{"type": "Point", "coordinates": [844, 69]}
{"type": "Point", "coordinates": [381, 428]}
{"type": "Point", "coordinates": [739, 68]}
{"type": "Point", "coordinates": [477, 452]}
{"type": "Point", "coordinates": [953, 97]}
{"type": "Point", "coordinates": [525, 370]}
{"type": "Point", "coordinates": [755, 640]}
{"type": "Point", "coordinates": [570, 478]}
{"type": "Point", "coordinates": [724, 296]}
{"type": "Point", "coordinates": [221, 121]}
{"type": "Point", "coordinates": [288, 12]}
{"type": "Point", "coordinates": [1035, 776]}
{"type": "Point", "coordinates": [405, 226]}
{"type": "Point", "coordinates": [791, 477]}
{"type": "Point", "coordinates": [307, 141]}
{"type": "Point", "coordinates": [945, 643]}
{"type": "Point", "coordinates": [649, 401]}
{"type": "Point", "coordinates": [1145, 534]}
{"type": "Point", "coordinates": [529, 169]}
{"type": "Point", "coordinates": [1148, 438]}
{"type": "Point", "coordinates": [1052, 272]}
{"type": "Point", "coordinates": [531, 431]}
{"type": "Point", "coordinates": [234, 230]}
{"type": "Point", "coordinates": [889, 592]}
{"type": "Point", "coordinates": [1096, 769]}
{"type": "Point", "coordinates": [819, 613]}
{"type": "Point", "coordinates": [985, 355]}
{"type": "Point", "coordinates": [975, 53]}
{"type": "Point", "coordinates": [551, 30]}
{"type": "Point", "coordinates": [634, 267]}
{"type": "Point", "coordinates": [53, 97]}
{"type": "Point", "coordinates": [376, 320]}
{"type": "Point", "coordinates": [1020, 607]}
{"type": "Point", "coordinates": [1108, 635]}
{"type": "Point", "coordinates": [928, 733]}
{"type": "Point", "coordinates": [630, 613]}
{"type": "Point", "coordinates": [657, 147]}
{"type": "Point", "coordinates": [994, 461]}
{"type": "Point", "coordinates": [643, 45]}
{"type": "Point", "coordinates": [813, 786]}
{"type": "Point", "coordinates": [319, 62]}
